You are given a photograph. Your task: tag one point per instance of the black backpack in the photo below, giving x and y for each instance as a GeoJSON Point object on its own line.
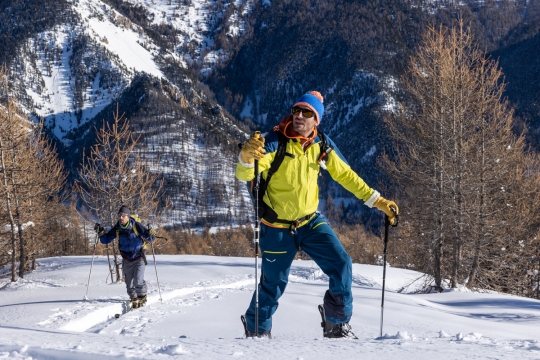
{"type": "Point", "coordinates": [264, 210]}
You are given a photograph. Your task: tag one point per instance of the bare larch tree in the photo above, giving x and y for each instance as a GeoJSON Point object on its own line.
{"type": "Point", "coordinates": [114, 175]}
{"type": "Point", "coordinates": [464, 176]}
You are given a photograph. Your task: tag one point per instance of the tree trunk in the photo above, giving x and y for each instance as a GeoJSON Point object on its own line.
{"type": "Point", "coordinates": [115, 254]}
{"type": "Point", "coordinates": [22, 249]}
{"type": "Point", "coordinates": [10, 215]}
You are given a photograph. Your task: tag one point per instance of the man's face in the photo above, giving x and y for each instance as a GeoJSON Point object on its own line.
{"type": "Point", "coordinates": [304, 121]}
{"type": "Point", "coordinates": [123, 218]}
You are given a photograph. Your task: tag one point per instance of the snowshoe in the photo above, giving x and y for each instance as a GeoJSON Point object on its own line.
{"type": "Point", "coordinates": [137, 302]}
{"type": "Point", "coordinates": [250, 334]}
{"type": "Point", "coordinates": [331, 330]}
{"type": "Point", "coordinates": [134, 303]}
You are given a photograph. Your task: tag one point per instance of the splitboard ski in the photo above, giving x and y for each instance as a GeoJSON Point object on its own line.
{"type": "Point", "coordinates": [130, 305]}
{"type": "Point", "coordinates": [126, 305]}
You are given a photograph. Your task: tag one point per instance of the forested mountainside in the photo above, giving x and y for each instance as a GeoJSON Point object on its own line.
{"type": "Point", "coordinates": [521, 65]}
{"type": "Point", "coordinates": [192, 142]}
{"type": "Point", "coordinates": [195, 77]}
{"type": "Point", "coordinates": [19, 19]}
{"type": "Point", "coordinates": [354, 53]}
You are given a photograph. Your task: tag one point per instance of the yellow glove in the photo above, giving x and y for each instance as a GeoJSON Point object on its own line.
{"type": "Point", "coordinates": [385, 205]}
{"type": "Point", "coordinates": [253, 149]}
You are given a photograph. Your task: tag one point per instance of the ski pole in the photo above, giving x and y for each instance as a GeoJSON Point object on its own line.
{"type": "Point", "coordinates": [155, 267]}
{"type": "Point", "coordinates": [385, 252]}
{"type": "Point", "coordinates": [85, 298]}
{"type": "Point", "coordinates": [256, 236]}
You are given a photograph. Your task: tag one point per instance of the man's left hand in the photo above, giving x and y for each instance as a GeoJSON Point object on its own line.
{"type": "Point", "coordinates": [152, 232]}
{"type": "Point", "coordinates": [386, 206]}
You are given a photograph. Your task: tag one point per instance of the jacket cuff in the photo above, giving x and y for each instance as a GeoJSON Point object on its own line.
{"type": "Point", "coordinates": [369, 202]}
{"type": "Point", "coordinates": [244, 164]}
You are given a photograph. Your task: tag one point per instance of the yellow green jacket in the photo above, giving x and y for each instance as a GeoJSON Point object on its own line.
{"type": "Point", "coordinates": [293, 191]}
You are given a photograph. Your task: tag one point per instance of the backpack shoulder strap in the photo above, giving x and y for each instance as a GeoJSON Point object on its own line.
{"type": "Point", "coordinates": [325, 149]}
{"type": "Point", "coordinates": [135, 228]}
{"type": "Point", "coordinates": [281, 152]}
{"type": "Point", "coordinates": [280, 155]}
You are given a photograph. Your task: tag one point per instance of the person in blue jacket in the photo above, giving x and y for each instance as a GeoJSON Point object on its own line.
{"type": "Point", "coordinates": [132, 237]}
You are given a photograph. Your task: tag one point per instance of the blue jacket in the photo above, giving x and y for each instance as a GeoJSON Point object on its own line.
{"type": "Point", "coordinates": [131, 246]}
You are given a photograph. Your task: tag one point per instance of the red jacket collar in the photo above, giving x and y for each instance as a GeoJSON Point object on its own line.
{"type": "Point", "coordinates": [285, 127]}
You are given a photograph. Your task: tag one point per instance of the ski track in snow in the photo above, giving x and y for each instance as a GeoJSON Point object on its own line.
{"type": "Point", "coordinates": [102, 315]}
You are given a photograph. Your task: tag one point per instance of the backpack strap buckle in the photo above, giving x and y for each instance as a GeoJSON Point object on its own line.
{"type": "Point", "coordinates": [293, 227]}
{"type": "Point", "coordinates": [294, 224]}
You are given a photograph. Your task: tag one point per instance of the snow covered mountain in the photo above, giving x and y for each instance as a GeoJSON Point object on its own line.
{"type": "Point", "coordinates": [74, 74]}
{"type": "Point", "coordinates": [202, 297]}
{"type": "Point", "coordinates": [68, 73]}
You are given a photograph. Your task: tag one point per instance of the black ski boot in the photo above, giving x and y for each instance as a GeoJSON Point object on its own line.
{"type": "Point", "coordinates": [250, 334]}
{"type": "Point", "coordinates": [330, 330]}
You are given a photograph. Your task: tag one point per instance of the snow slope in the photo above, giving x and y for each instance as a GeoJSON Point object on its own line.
{"type": "Point", "coordinates": [114, 48]}
{"type": "Point", "coordinates": [44, 316]}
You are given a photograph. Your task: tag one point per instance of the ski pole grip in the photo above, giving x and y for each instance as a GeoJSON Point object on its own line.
{"type": "Point", "coordinates": [396, 215]}
{"type": "Point", "coordinates": [257, 134]}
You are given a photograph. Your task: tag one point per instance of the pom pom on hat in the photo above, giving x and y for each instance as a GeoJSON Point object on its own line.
{"type": "Point", "coordinates": [317, 95]}
{"type": "Point", "coordinates": [312, 100]}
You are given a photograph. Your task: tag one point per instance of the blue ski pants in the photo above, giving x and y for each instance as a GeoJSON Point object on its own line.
{"type": "Point", "coordinates": [319, 241]}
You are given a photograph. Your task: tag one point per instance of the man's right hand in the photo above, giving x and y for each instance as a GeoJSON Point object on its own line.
{"type": "Point", "coordinates": [253, 149]}
{"type": "Point", "coordinates": [99, 229]}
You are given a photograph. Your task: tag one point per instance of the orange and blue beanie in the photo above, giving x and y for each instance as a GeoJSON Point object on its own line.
{"type": "Point", "coordinates": [312, 100]}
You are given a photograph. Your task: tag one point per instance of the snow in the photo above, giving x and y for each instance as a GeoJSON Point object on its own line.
{"type": "Point", "coordinates": [125, 44]}
{"type": "Point", "coordinates": [196, 314]}
{"type": "Point", "coordinates": [7, 228]}
{"type": "Point", "coordinates": [197, 21]}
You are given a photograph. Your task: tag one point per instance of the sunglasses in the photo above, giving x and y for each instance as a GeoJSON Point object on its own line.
{"type": "Point", "coordinates": [305, 112]}
{"type": "Point", "coordinates": [122, 215]}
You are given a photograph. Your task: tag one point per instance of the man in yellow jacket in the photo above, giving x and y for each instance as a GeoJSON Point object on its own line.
{"type": "Point", "coordinates": [290, 220]}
